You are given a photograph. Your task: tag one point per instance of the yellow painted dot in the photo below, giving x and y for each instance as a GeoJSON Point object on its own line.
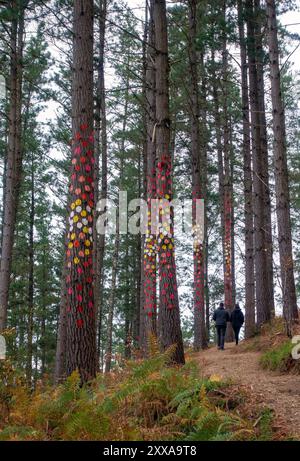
{"type": "Point", "coordinates": [86, 251]}
{"type": "Point", "coordinates": [70, 245]}
{"type": "Point", "coordinates": [78, 202]}
{"type": "Point", "coordinates": [73, 236]}
{"type": "Point", "coordinates": [85, 230]}
{"type": "Point", "coordinates": [87, 243]}
{"type": "Point", "coordinates": [75, 219]}
{"type": "Point", "coordinates": [83, 213]}
{"type": "Point", "coordinates": [76, 260]}
{"type": "Point", "coordinates": [73, 206]}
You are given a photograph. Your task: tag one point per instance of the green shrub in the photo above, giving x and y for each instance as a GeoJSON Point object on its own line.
{"type": "Point", "coordinates": [278, 358]}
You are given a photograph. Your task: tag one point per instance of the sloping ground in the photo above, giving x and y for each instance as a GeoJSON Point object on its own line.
{"type": "Point", "coordinates": [278, 392]}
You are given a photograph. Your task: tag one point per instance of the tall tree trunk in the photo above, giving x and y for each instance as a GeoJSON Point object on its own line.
{"type": "Point", "coordinates": [14, 158]}
{"type": "Point", "coordinates": [233, 283]}
{"type": "Point", "coordinates": [169, 304]}
{"type": "Point", "coordinates": [204, 148]}
{"type": "Point", "coordinates": [111, 301]}
{"type": "Point", "coordinates": [128, 312]}
{"type": "Point", "coordinates": [81, 321]}
{"type": "Point", "coordinates": [217, 118]}
{"type": "Point", "coordinates": [101, 148]}
{"type": "Point", "coordinates": [262, 278]}
{"type": "Point", "coordinates": [139, 279]}
{"type": "Point", "coordinates": [150, 269]}
{"type": "Point", "coordinates": [228, 288]}
{"type": "Point", "coordinates": [264, 174]}
{"type": "Point", "coordinates": [200, 339]}
{"type": "Point", "coordinates": [44, 311]}
{"type": "Point", "coordinates": [30, 282]}
{"type": "Point", "coordinates": [61, 343]}
{"type": "Point", "coordinates": [141, 336]}
{"type": "Point", "coordinates": [248, 206]}
{"type": "Point", "coordinates": [281, 174]}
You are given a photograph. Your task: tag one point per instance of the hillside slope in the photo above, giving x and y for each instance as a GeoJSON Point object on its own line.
{"type": "Point", "coordinates": [280, 392]}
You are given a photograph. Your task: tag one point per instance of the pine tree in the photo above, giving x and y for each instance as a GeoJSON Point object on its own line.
{"type": "Point", "coordinates": [262, 292]}
{"type": "Point", "coordinates": [281, 174]}
{"type": "Point", "coordinates": [249, 260]}
{"type": "Point", "coordinates": [168, 301]}
{"type": "Point", "coordinates": [150, 269]}
{"type": "Point", "coordinates": [81, 326]}
{"type": "Point", "coordinates": [198, 186]}
{"type": "Point", "coordinates": [14, 154]}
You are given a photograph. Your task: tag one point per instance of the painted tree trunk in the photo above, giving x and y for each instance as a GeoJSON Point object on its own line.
{"type": "Point", "coordinates": [168, 295]}
{"type": "Point", "coordinates": [14, 159]}
{"type": "Point", "coordinates": [200, 340]}
{"type": "Point", "coordinates": [247, 167]}
{"type": "Point", "coordinates": [150, 263]}
{"type": "Point", "coordinates": [81, 318]}
{"type": "Point", "coordinates": [281, 174]}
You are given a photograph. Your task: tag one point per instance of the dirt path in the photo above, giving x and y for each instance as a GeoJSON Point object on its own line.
{"type": "Point", "coordinates": [279, 392]}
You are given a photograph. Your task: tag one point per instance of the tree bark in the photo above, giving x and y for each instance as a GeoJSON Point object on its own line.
{"type": "Point", "coordinates": [150, 264]}
{"type": "Point", "coordinates": [262, 292]}
{"type": "Point", "coordinates": [217, 118]}
{"type": "Point", "coordinates": [111, 301]}
{"type": "Point", "coordinates": [81, 318]}
{"type": "Point", "coordinates": [228, 254]}
{"type": "Point", "coordinates": [61, 343]}
{"type": "Point", "coordinates": [168, 302]}
{"type": "Point", "coordinates": [100, 150]}
{"type": "Point", "coordinates": [264, 174]}
{"type": "Point", "coordinates": [200, 339]}
{"type": "Point", "coordinates": [247, 167]}
{"type": "Point", "coordinates": [14, 158]}
{"type": "Point", "coordinates": [281, 174]}
{"type": "Point", "coordinates": [30, 282]}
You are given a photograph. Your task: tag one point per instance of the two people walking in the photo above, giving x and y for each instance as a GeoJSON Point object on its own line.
{"type": "Point", "coordinates": [221, 317]}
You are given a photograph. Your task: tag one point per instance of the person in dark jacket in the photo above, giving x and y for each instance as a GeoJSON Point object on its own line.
{"type": "Point", "coordinates": [237, 320]}
{"type": "Point", "coordinates": [221, 317]}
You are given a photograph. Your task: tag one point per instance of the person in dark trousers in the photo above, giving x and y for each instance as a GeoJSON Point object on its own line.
{"type": "Point", "coordinates": [221, 317]}
{"type": "Point", "coordinates": [237, 320]}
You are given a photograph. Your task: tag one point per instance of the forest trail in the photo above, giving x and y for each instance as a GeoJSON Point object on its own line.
{"type": "Point", "coordinates": [280, 392]}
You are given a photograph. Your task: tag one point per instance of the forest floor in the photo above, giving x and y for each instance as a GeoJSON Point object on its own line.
{"type": "Point", "coordinates": [280, 392]}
